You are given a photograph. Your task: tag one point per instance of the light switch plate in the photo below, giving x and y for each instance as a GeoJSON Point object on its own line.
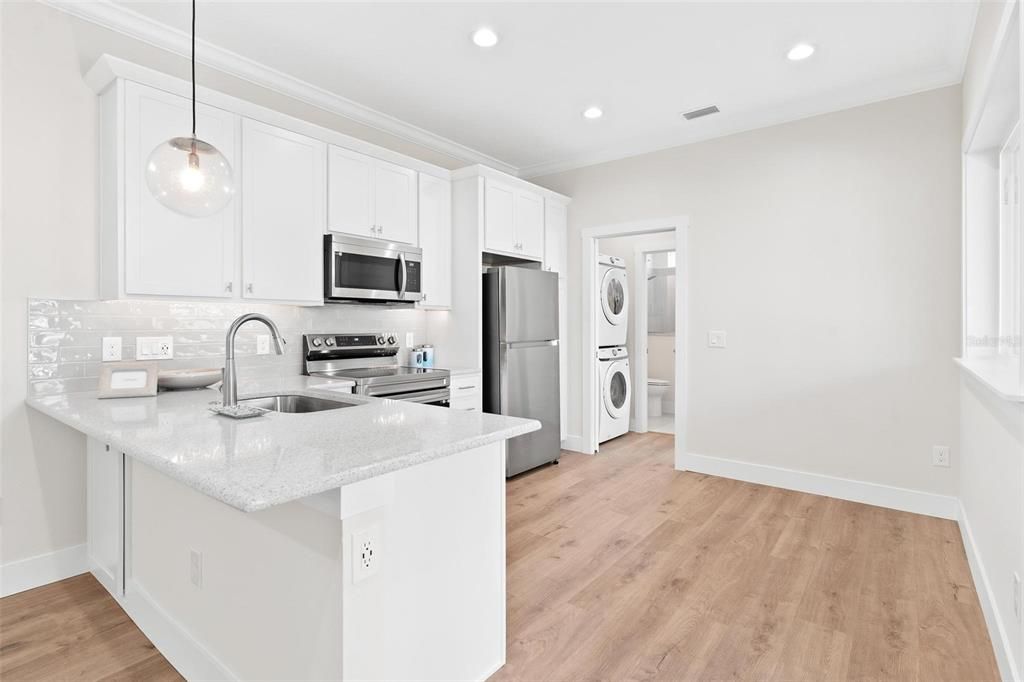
{"type": "Point", "coordinates": [154, 348]}
{"type": "Point", "coordinates": [410, 339]}
{"type": "Point", "coordinates": [716, 338]}
{"type": "Point", "coordinates": [263, 344]}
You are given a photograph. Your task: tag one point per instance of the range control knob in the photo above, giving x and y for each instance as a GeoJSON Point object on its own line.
{"type": "Point", "coordinates": [317, 342]}
{"type": "Point", "coordinates": [392, 340]}
{"type": "Point", "coordinates": [380, 340]}
{"type": "Point", "coordinates": [329, 341]}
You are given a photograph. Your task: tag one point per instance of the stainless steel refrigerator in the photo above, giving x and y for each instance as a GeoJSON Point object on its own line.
{"type": "Point", "coordinates": [520, 318]}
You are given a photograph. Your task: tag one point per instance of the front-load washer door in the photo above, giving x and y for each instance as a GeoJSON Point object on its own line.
{"type": "Point", "coordinates": [617, 389]}
{"type": "Point", "coordinates": [614, 296]}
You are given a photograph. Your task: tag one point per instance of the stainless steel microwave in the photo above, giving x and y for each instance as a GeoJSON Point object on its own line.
{"type": "Point", "coordinates": [371, 270]}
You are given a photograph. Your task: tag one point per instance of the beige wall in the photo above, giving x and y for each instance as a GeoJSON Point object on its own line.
{"type": "Point", "coordinates": [828, 249]}
{"type": "Point", "coordinates": [49, 238]}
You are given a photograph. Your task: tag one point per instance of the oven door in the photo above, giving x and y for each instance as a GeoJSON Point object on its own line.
{"type": "Point", "coordinates": [370, 270]}
{"type": "Point", "coordinates": [440, 398]}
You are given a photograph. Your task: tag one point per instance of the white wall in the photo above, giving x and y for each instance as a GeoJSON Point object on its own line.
{"type": "Point", "coordinates": [50, 238]}
{"type": "Point", "coordinates": [991, 487]}
{"type": "Point", "coordinates": [828, 249]}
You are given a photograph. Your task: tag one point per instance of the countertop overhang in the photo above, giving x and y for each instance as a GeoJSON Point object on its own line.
{"type": "Point", "coordinates": [254, 464]}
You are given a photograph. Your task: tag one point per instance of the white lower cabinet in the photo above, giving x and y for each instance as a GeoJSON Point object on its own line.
{"type": "Point", "coordinates": [105, 514]}
{"type": "Point", "coordinates": [283, 214]}
{"type": "Point", "coordinates": [465, 392]}
{"type": "Point", "coordinates": [435, 218]}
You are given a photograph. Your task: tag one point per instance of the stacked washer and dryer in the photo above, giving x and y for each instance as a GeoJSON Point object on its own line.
{"type": "Point", "coordinates": [613, 358]}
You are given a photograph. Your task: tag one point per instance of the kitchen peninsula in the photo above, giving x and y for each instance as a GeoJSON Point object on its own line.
{"type": "Point", "coordinates": [365, 542]}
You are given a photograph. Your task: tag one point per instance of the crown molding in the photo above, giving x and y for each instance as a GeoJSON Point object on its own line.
{"type": "Point", "coordinates": [129, 22]}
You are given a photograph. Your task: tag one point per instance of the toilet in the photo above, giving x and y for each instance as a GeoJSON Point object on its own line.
{"type": "Point", "coordinates": [657, 389]}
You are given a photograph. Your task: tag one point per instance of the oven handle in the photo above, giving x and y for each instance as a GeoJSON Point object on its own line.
{"type": "Point", "coordinates": [427, 397]}
{"type": "Point", "coordinates": [389, 389]}
{"type": "Point", "coordinates": [405, 275]}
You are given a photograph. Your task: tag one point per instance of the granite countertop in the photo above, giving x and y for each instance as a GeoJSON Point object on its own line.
{"type": "Point", "coordinates": [253, 464]}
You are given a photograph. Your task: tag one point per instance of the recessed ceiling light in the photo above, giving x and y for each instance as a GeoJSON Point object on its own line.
{"type": "Point", "coordinates": [593, 112]}
{"type": "Point", "coordinates": [485, 37]}
{"type": "Point", "coordinates": [800, 51]}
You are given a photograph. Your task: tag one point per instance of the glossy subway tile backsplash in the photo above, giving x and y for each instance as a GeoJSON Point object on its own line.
{"type": "Point", "coordinates": [64, 337]}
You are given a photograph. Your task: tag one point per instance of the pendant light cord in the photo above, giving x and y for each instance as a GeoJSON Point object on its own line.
{"type": "Point", "coordinates": [193, 69]}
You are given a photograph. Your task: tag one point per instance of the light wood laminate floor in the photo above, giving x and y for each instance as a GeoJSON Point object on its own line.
{"type": "Point", "coordinates": [620, 568]}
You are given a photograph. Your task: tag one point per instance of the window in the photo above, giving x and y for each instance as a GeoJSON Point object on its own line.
{"type": "Point", "coordinates": [1010, 281]}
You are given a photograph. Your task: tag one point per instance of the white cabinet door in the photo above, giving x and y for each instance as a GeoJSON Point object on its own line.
{"type": "Point", "coordinates": [529, 224]}
{"type": "Point", "coordinates": [435, 211]}
{"type": "Point", "coordinates": [350, 202]}
{"type": "Point", "coordinates": [165, 253]}
{"type": "Point", "coordinates": [282, 214]}
{"type": "Point", "coordinates": [555, 228]}
{"type": "Point", "coordinates": [395, 202]}
{"type": "Point", "coordinates": [499, 222]}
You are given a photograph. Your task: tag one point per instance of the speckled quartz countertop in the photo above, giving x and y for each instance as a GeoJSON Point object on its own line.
{"type": "Point", "coordinates": [253, 464]}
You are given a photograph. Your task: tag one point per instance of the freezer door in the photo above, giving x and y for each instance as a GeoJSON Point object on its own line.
{"type": "Point", "coordinates": [529, 388]}
{"type": "Point", "coordinates": [529, 301]}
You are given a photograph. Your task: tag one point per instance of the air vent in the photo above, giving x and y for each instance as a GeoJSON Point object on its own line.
{"type": "Point", "coordinates": [697, 113]}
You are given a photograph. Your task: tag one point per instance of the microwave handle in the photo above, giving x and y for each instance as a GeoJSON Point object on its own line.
{"type": "Point", "coordinates": [404, 276]}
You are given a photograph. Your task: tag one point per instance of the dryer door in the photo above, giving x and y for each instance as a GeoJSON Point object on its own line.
{"type": "Point", "coordinates": [617, 389]}
{"type": "Point", "coordinates": [614, 296]}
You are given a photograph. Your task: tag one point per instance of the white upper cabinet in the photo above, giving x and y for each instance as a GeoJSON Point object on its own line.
{"type": "Point", "coordinates": [283, 214]}
{"type": "Point", "coordinates": [556, 224]}
{"type": "Point", "coordinates": [513, 220]}
{"type": "Point", "coordinates": [499, 217]}
{"type": "Point", "coordinates": [368, 197]}
{"type": "Point", "coordinates": [435, 219]}
{"type": "Point", "coordinates": [529, 220]}
{"type": "Point", "coordinates": [164, 253]}
{"type": "Point", "coordinates": [395, 202]}
{"type": "Point", "coordinates": [350, 203]}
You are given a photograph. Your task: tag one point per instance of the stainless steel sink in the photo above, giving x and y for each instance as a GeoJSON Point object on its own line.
{"type": "Point", "coordinates": [294, 404]}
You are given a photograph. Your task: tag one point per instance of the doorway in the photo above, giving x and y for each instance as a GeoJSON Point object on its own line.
{"type": "Point", "coordinates": [672, 233]}
{"type": "Point", "coordinates": [654, 334]}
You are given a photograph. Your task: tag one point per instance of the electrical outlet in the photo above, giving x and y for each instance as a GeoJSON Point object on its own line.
{"type": "Point", "coordinates": [111, 348]}
{"type": "Point", "coordinates": [940, 455]}
{"type": "Point", "coordinates": [195, 568]}
{"type": "Point", "coordinates": [716, 338]}
{"type": "Point", "coordinates": [366, 553]}
{"type": "Point", "coordinates": [263, 344]}
{"type": "Point", "coordinates": [154, 348]}
{"type": "Point", "coordinates": [1016, 596]}
{"type": "Point", "coordinates": [410, 339]}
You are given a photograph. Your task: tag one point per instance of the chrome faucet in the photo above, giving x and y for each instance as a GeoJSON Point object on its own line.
{"type": "Point", "coordinates": [229, 384]}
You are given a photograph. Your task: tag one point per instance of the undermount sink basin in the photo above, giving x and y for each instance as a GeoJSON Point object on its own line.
{"type": "Point", "coordinates": [294, 404]}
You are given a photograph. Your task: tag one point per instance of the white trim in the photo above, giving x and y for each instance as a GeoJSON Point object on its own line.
{"type": "Point", "coordinates": [680, 226]}
{"type": "Point", "coordinates": [575, 444]}
{"type": "Point", "coordinates": [877, 494]}
{"type": "Point", "coordinates": [124, 20]}
{"type": "Point", "coordinates": [174, 642]}
{"type": "Point", "coordinates": [973, 118]}
{"type": "Point", "coordinates": [26, 574]}
{"type": "Point", "coordinates": [1001, 646]}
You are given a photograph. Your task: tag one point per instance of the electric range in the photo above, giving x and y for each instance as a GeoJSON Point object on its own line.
{"type": "Point", "coordinates": [371, 361]}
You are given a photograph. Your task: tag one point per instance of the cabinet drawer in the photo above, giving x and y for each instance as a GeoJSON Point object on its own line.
{"type": "Point", "coordinates": [468, 403]}
{"type": "Point", "coordinates": [465, 384]}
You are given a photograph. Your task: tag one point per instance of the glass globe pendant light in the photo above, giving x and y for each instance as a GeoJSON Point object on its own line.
{"type": "Point", "coordinates": [186, 174]}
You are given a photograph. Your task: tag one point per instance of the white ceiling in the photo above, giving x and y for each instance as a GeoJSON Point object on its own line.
{"type": "Point", "coordinates": [521, 101]}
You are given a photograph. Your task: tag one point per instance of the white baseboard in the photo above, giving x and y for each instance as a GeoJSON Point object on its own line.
{"type": "Point", "coordinates": [989, 606]}
{"type": "Point", "coordinates": [575, 444]}
{"type": "Point", "coordinates": [177, 645]}
{"type": "Point", "coordinates": [877, 494]}
{"type": "Point", "coordinates": [26, 574]}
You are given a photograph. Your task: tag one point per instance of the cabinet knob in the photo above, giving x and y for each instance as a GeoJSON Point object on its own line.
{"type": "Point", "coordinates": [248, 287]}
{"type": "Point", "coordinates": [229, 287]}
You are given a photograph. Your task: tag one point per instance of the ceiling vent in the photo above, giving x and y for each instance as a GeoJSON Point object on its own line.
{"type": "Point", "coordinates": [698, 113]}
